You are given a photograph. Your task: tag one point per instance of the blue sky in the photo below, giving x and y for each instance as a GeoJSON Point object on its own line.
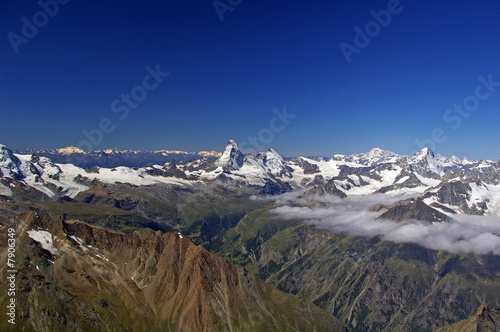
{"type": "Point", "coordinates": [226, 77]}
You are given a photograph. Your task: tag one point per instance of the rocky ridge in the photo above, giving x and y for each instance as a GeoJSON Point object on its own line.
{"type": "Point", "coordinates": [73, 276]}
{"type": "Point", "coordinates": [485, 319]}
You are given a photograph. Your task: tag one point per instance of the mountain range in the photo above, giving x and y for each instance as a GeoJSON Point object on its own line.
{"type": "Point", "coordinates": [74, 277]}
{"type": "Point", "coordinates": [379, 241]}
{"type": "Point", "coordinates": [449, 185]}
{"type": "Point", "coordinates": [115, 157]}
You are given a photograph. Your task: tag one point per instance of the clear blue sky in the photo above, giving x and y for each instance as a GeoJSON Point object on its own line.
{"type": "Point", "coordinates": [226, 77]}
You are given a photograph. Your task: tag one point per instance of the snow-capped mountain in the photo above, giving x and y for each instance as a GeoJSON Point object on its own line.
{"type": "Point", "coordinates": [461, 185]}
{"type": "Point", "coordinates": [374, 156]}
{"type": "Point", "coordinates": [30, 168]}
{"type": "Point", "coordinates": [425, 163]}
{"type": "Point", "coordinates": [37, 172]}
{"type": "Point", "coordinates": [272, 162]}
{"type": "Point", "coordinates": [249, 169]}
{"type": "Point", "coordinates": [232, 158]}
{"type": "Point", "coordinates": [114, 157]}
{"type": "Point", "coordinates": [485, 171]}
{"type": "Point", "coordinates": [466, 197]}
{"type": "Point", "coordinates": [453, 161]}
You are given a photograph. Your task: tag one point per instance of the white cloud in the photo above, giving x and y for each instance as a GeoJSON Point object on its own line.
{"type": "Point", "coordinates": [463, 234]}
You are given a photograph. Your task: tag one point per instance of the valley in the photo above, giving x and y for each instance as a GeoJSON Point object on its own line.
{"type": "Point", "coordinates": [367, 242]}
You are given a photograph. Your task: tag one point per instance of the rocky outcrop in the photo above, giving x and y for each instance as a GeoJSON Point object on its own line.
{"type": "Point", "coordinates": [328, 188]}
{"type": "Point", "coordinates": [306, 166]}
{"type": "Point", "coordinates": [101, 280]}
{"type": "Point", "coordinates": [275, 188]}
{"type": "Point", "coordinates": [486, 172]}
{"type": "Point", "coordinates": [370, 284]}
{"type": "Point", "coordinates": [232, 158]}
{"type": "Point", "coordinates": [485, 320]}
{"type": "Point", "coordinates": [410, 209]}
{"type": "Point", "coordinates": [403, 181]}
{"type": "Point", "coordinates": [459, 194]}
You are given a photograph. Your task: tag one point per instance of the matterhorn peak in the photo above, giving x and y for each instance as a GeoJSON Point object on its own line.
{"type": "Point", "coordinates": [232, 143]}
{"type": "Point", "coordinates": [232, 158]}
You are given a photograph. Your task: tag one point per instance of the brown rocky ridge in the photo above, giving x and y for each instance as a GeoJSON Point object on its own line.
{"type": "Point", "coordinates": [89, 278]}
{"type": "Point", "coordinates": [485, 320]}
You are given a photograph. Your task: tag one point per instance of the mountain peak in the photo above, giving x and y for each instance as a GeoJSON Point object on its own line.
{"type": "Point", "coordinates": [232, 158]}
{"type": "Point", "coordinates": [232, 143]}
{"type": "Point", "coordinates": [374, 156]}
{"type": "Point", "coordinates": [272, 152]}
{"type": "Point", "coordinates": [9, 163]}
{"type": "Point", "coordinates": [381, 152]}
{"type": "Point", "coordinates": [485, 319]}
{"type": "Point", "coordinates": [70, 150]}
{"type": "Point", "coordinates": [425, 151]}
{"type": "Point", "coordinates": [272, 160]}
{"type": "Point", "coordinates": [4, 150]}
{"type": "Point", "coordinates": [412, 209]}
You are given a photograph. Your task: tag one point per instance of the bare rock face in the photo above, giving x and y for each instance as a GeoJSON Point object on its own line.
{"type": "Point", "coordinates": [459, 194]}
{"type": "Point", "coordinates": [454, 193]}
{"type": "Point", "coordinates": [232, 158]}
{"type": "Point", "coordinates": [410, 209]}
{"type": "Point", "coordinates": [411, 182]}
{"type": "Point", "coordinates": [306, 166]}
{"type": "Point", "coordinates": [328, 188]}
{"type": "Point", "coordinates": [275, 188]}
{"type": "Point", "coordinates": [81, 277]}
{"type": "Point", "coordinates": [485, 320]}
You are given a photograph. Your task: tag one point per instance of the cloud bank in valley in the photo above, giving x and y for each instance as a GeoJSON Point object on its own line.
{"type": "Point", "coordinates": [464, 234]}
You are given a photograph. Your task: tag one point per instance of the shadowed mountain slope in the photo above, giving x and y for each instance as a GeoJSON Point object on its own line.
{"type": "Point", "coordinates": [485, 320]}
{"type": "Point", "coordinates": [73, 276]}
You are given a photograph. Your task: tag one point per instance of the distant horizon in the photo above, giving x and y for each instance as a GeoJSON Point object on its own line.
{"type": "Point", "coordinates": [221, 150]}
{"type": "Point", "coordinates": [315, 78]}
